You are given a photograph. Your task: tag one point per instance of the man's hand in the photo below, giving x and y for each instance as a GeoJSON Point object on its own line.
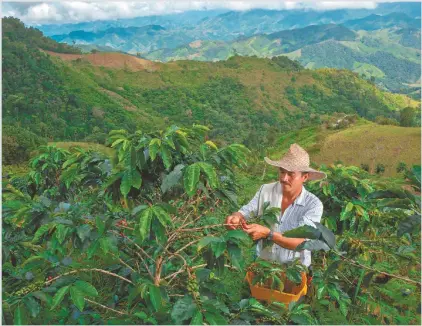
{"type": "Point", "coordinates": [256, 231]}
{"type": "Point", "coordinates": [235, 220]}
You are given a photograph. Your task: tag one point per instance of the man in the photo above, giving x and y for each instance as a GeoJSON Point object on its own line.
{"type": "Point", "coordinates": [298, 207]}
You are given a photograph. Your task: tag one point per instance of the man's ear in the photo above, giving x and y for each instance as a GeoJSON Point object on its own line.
{"type": "Point", "coordinates": [305, 177]}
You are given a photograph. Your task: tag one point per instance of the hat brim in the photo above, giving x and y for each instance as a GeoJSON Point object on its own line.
{"type": "Point", "coordinates": [313, 174]}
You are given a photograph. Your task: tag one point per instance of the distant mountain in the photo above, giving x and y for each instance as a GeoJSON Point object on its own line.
{"type": "Point", "coordinates": [391, 56]}
{"type": "Point", "coordinates": [129, 39]}
{"type": "Point", "coordinates": [222, 25]}
{"type": "Point", "coordinates": [263, 45]}
{"type": "Point", "coordinates": [186, 18]}
{"type": "Point", "coordinates": [373, 22]}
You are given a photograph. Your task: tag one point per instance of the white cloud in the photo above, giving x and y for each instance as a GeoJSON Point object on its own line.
{"type": "Point", "coordinates": [78, 11]}
{"type": "Point", "coordinates": [44, 11]}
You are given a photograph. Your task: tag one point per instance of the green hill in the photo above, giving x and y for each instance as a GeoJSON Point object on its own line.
{"type": "Point", "coordinates": [76, 97]}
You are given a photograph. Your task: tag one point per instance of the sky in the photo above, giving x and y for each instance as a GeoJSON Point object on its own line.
{"type": "Point", "coordinates": [50, 12]}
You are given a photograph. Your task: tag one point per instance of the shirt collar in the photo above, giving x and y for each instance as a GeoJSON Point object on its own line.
{"type": "Point", "coordinates": [300, 200]}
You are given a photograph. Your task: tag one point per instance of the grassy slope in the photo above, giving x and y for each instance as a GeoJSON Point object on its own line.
{"type": "Point", "coordinates": [363, 143]}
{"type": "Point", "coordinates": [372, 144]}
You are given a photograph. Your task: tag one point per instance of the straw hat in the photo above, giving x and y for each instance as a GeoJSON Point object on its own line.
{"type": "Point", "coordinates": [297, 159]}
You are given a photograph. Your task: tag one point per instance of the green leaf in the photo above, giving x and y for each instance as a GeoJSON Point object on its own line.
{"type": "Point", "coordinates": [20, 316]}
{"type": "Point", "coordinates": [92, 249]}
{"type": "Point", "coordinates": [126, 183]}
{"type": "Point", "coordinates": [349, 207]}
{"type": "Point", "coordinates": [305, 231]}
{"type": "Point", "coordinates": [83, 231]}
{"type": "Point", "coordinates": [211, 144]}
{"type": "Point", "coordinates": [108, 244]}
{"type": "Point", "coordinates": [409, 225]}
{"type": "Point", "coordinates": [333, 266]}
{"type": "Point", "coordinates": [86, 288]}
{"type": "Point", "coordinates": [136, 179]}
{"type": "Point", "coordinates": [162, 215]}
{"type": "Point", "coordinates": [334, 293]}
{"type": "Point", "coordinates": [301, 318]}
{"type": "Point", "coordinates": [394, 203]}
{"type": "Point", "coordinates": [235, 254]}
{"type": "Point", "coordinates": [141, 315]}
{"type": "Point", "coordinates": [33, 258]}
{"type": "Point", "coordinates": [343, 308]}
{"type": "Point", "coordinates": [191, 178]}
{"type": "Point", "coordinates": [237, 234]}
{"type": "Point", "coordinates": [145, 223]}
{"type": "Point", "coordinates": [43, 297]}
{"type": "Point", "coordinates": [58, 298]}
{"type": "Point", "coordinates": [154, 147]}
{"type": "Point", "coordinates": [100, 225]}
{"type": "Point", "coordinates": [209, 171]}
{"type": "Point", "coordinates": [218, 248]}
{"type": "Point", "coordinates": [41, 231]}
{"type": "Point", "coordinates": [172, 179]}
{"type": "Point", "coordinates": [77, 297]}
{"type": "Point", "coordinates": [159, 232]}
{"type": "Point", "coordinates": [138, 209]}
{"type": "Point", "coordinates": [61, 232]}
{"type": "Point", "coordinates": [215, 319]}
{"type": "Point", "coordinates": [197, 318]}
{"type": "Point", "coordinates": [320, 292]}
{"type": "Point", "coordinates": [166, 157]}
{"type": "Point", "coordinates": [313, 245]}
{"type": "Point", "coordinates": [183, 309]}
{"type": "Point", "coordinates": [326, 235]}
{"type": "Point", "coordinates": [155, 297]}
{"type": "Point", "coordinates": [32, 305]}
{"type": "Point", "coordinates": [206, 241]}
{"type": "Point", "coordinates": [294, 275]}
{"type": "Point", "coordinates": [117, 142]}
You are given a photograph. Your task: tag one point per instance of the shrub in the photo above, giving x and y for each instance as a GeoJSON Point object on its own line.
{"type": "Point", "coordinates": [380, 168]}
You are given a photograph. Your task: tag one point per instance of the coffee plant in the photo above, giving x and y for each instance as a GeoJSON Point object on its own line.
{"type": "Point", "coordinates": [138, 238]}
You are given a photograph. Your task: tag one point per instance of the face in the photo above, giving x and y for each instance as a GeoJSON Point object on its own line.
{"type": "Point", "coordinates": [291, 181]}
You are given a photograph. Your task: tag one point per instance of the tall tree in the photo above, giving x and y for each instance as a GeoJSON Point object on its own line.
{"type": "Point", "coordinates": [407, 117]}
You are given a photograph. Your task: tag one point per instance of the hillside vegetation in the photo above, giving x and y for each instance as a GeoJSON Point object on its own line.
{"type": "Point", "coordinates": [249, 100]}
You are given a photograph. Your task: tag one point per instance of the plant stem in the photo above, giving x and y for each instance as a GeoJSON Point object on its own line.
{"type": "Point", "coordinates": [89, 270]}
{"type": "Point", "coordinates": [353, 262]}
{"type": "Point", "coordinates": [105, 307]}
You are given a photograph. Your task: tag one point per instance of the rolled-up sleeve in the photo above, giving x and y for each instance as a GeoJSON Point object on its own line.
{"type": "Point", "coordinates": [251, 207]}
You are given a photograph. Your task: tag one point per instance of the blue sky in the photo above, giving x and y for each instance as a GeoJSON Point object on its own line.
{"type": "Point", "coordinates": [43, 12]}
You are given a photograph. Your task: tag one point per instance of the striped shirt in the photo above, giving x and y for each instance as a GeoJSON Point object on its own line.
{"type": "Point", "coordinates": [305, 210]}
